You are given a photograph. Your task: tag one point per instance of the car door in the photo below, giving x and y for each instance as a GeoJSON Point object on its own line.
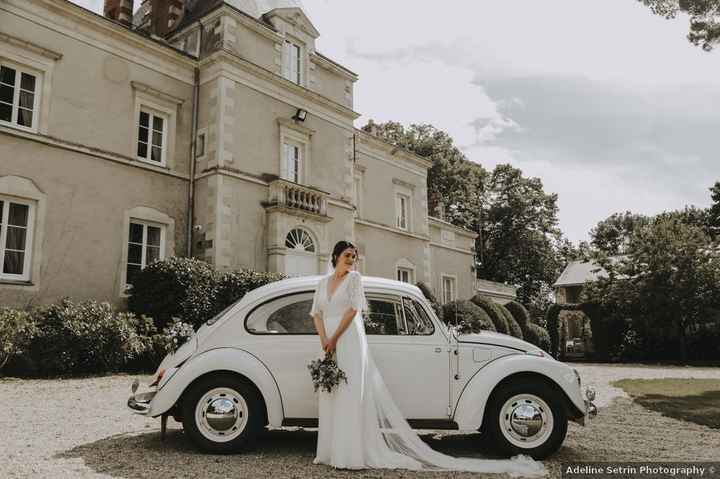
{"type": "Point", "coordinates": [285, 340]}
{"type": "Point", "coordinates": [411, 353]}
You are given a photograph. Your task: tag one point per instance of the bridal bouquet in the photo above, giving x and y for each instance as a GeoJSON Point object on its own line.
{"type": "Point", "coordinates": [325, 373]}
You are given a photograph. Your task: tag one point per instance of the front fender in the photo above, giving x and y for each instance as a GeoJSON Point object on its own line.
{"type": "Point", "coordinates": [470, 406]}
{"type": "Point", "coordinates": [221, 359]}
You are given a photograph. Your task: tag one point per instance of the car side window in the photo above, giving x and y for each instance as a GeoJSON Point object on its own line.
{"type": "Point", "coordinates": [417, 320]}
{"type": "Point", "coordinates": [384, 317]}
{"type": "Point", "coordinates": [284, 315]}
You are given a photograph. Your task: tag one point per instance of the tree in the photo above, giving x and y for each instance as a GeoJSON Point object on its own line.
{"type": "Point", "coordinates": [713, 215]}
{"type": "Point", "coordinates": [704, 18]}
{"type": "Point", "coordinates": [612, 235]}
{"type": "Point", "coordinates": [518, 239]}
{"type": "Point", "coordinates": [667, 282]}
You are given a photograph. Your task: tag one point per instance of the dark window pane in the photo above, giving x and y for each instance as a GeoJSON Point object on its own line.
{"type": "Point", "coordinates": [144, 119]}
{"type": "Point", "coordinates": [13, 263]}
{"type": "Point", "coordinates": [200, 145]}
{"type": "Point", "coordinates": [142, 150]}
{"type": "Point", "coordinates": [132, 271]}
{"type": "Point", "coordinates": [152, 254]}
{"type": "Point", "coordinates": [2, 205]}
{"type": "Point", "coordinates": [6, 93]}
{"type": "Point", "coordinates": [27, 100]}
{"type": "Point", "coordinates": [292, 318]}
{"type": "Point", "coordinates": [143, 134]}
{"type": "Point", "coordinates": [157, 123]}
{"type": "Point", "coordinates": [7, 75]}
{"type": "Point", "coordinates": [156, 154]}
{"type": "Point", "coordinates": [383, 317]}
{"type": "Point", "coordinates": [136, 233]}
{"type": "Point", "coordinates": [157, 138]}
{"type": "Point", "coordinates": [5, 112]}
{"type": "Point", "coordinates": [18, 215]}
{"type": "Point", "coordinates": [27, 82]}
{"type": "Point", "coordinates": [25, 117]}
{"type": "Point", "coordinates": [153, 237]}
{"type": "Point", "coordinates": [134, 254]}
{"type": "Point", "coordinates": [15, 238]}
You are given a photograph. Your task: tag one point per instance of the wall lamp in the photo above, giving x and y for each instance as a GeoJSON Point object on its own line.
{"type": "Point", "coordinates": [300, 115]}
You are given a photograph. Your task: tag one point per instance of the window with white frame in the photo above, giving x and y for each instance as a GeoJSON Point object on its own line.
{"type": "Point", "coordinates": [146, 244]}
{"type": "Point", "coordinates": [152, 133]}
{"type": "Point", "coordinates": [448, 288]}
{"type": "Point", "coordinates": [16, 228]}
{"type": "Point", "coordinates": [405, 274]}
{"type": "Point", "coordinates": [402, 209]}
{"type": "Point", "coordinates": [292, 62]}
{"type": "Point", "coordinates": [19, 92]}
{"type": "Point", "coordinates": [292, 158]}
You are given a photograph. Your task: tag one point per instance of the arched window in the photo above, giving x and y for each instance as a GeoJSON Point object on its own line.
{"type": "Point", "coordinates": [299, 239]}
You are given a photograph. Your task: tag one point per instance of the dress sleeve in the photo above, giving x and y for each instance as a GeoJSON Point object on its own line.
{"type": "Point", "coordinates": [315, 309]}
{"type": "Point", "coordinates": [357, 293]}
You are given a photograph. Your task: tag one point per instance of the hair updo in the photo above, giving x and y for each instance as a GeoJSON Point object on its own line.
{"type": "Point", "coordinates": [341, 246]}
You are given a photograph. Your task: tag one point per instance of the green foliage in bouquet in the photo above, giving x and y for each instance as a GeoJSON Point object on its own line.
{"type": "Point", "coordinates": [325, 373]}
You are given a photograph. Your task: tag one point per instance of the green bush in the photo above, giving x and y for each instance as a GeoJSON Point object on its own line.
{"type": "Point", "coordinates": [427, 292]}
{"type": "Point", "coordinates": [17, 329]}
{"type": "Point", "coordinates": [514, 328]}
{"type": "Point", "coordinates": [190, 289]}
{"type": "Point", "coordinates": [538, 336]}
{"type": "Point", "coordinates": [175, 287]}
{"type": "Point", "coordinates": [470, 317]}
{"type": "Point", "coordinates": [492, 310]}
{"type": "Point", "coordinates": [86, 337]}
{"type": "Point", "coordinates": [521, 315]}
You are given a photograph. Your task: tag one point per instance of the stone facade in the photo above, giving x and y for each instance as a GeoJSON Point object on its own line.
{"type": "Point", "coordinates": [212, 129]}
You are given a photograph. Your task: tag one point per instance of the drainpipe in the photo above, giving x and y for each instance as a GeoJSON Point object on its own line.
{"type": "Point", "coordinates": [193, 145]}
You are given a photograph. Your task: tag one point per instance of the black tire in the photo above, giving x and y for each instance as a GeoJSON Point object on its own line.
{"type": "Point", "coordinates": [493, 425]}
{"type": "Point", "coordinates": [253, 423]}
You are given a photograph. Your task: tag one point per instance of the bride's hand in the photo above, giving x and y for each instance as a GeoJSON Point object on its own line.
{"type": "Point", "coordinates": [330, 345]}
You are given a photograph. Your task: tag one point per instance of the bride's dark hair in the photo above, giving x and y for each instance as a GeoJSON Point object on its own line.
{"type": "Point", "coordinates": [341, 246]}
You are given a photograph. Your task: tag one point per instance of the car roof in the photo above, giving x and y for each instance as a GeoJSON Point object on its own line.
{"type": "Point", "coordinates": [303, 283]}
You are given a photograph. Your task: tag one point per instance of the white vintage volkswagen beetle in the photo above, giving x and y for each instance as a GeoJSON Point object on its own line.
{"type": "Point", "coordinates": [247, 368]}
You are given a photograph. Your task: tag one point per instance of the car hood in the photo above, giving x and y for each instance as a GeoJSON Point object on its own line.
{"type": "Point", "coordinates": [498, 339]}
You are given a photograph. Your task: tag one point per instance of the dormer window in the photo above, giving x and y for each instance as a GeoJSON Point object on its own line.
{"type": "Point", "coordinates": [292, 62]}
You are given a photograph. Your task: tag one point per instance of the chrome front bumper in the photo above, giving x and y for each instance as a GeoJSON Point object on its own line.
{"type": "Point", "coordinates": [140, 403]}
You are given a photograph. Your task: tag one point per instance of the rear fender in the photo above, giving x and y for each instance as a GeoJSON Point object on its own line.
{"type": "Point", "coordinates": [471, 404]}
{"type": "Point", "coordinates": [216, 360]}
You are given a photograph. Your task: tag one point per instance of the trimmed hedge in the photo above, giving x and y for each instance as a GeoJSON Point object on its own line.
{"type": "Point", "coordinates": [427, 292]}
{"type": "Point", "coordinates": [191, 290]}
{"type": "Point", "coordinates": [492, 309]}
{"type": "Point", "coordinates": [521, 315]}
{"type": "Point", "coordinates": [85, 337]}
{"type": "Point", "coordinates": [470, 317]}
{"type": "Point", "coordinates": [175, 287]}
{"type": "Point", "coordinates": [514, 328]}
{"type": "Point", "coordinates": [538, 336]}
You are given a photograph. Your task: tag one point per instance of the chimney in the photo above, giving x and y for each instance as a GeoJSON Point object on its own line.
{"type": "Point", "coordinates": [119, 10]}
{"type": "Point", "coordinates": [165, 15]}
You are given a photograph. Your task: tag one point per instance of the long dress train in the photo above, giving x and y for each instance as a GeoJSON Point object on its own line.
{"type": "Point", "coordinates": [359, 424]}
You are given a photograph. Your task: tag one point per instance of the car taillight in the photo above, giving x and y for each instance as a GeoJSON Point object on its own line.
{"type": "Point", "coordinates": [159, 377]}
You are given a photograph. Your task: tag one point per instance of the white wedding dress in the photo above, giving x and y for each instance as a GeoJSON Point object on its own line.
{"type": "Point", "coordinates": [359, 425]}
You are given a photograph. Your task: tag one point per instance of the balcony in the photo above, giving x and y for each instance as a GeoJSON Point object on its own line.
{"type": "Point", "coordinates": [297, 198]}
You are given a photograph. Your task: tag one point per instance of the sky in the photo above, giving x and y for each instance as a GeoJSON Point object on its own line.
{"type": "Point", "coordinates": [608, 104]}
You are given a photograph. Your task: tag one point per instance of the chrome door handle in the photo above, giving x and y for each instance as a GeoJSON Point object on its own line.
{"type": "Point", "coordinates": [437, 350]}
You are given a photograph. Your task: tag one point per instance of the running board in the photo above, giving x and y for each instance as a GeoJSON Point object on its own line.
{"type": "Point", "coordinates": [414, 423]}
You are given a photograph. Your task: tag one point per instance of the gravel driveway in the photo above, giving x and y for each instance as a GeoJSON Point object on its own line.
{"type": "Point", "coordinates": [81, 428]}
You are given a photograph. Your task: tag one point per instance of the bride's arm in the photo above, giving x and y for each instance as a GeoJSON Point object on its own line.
{"type": "Point", "coordinates": [320, 328]}
{"type": "Point", "coordinates": [344, 323]}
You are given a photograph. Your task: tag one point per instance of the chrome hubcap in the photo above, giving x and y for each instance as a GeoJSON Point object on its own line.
{"type": "Point", "coordinates": [526, 420]}
{"type": "Point", "coordinates": [221, 414]}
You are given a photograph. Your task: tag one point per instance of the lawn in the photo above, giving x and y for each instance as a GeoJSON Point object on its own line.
{"type": "Point", "coordinates": [694, 400]}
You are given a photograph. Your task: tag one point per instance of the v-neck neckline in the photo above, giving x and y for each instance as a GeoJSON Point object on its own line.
{"type": "Point", "coordinates": [331, 296]}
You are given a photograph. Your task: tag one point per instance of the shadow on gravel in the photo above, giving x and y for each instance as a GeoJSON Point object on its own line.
{"type": "Point", "coordinates": [275, 454]}
{"type": "Point", "coordinates": [701, 409]}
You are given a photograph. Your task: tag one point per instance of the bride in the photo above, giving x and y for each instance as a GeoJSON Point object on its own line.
{"type": "Point", "coordinates": [359, 425]}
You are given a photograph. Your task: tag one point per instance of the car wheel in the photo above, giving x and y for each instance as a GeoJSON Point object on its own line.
{"type": "Point", "coordinates": [526, 417]}
{"type": "Point", "coordinates": [222, 414]}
